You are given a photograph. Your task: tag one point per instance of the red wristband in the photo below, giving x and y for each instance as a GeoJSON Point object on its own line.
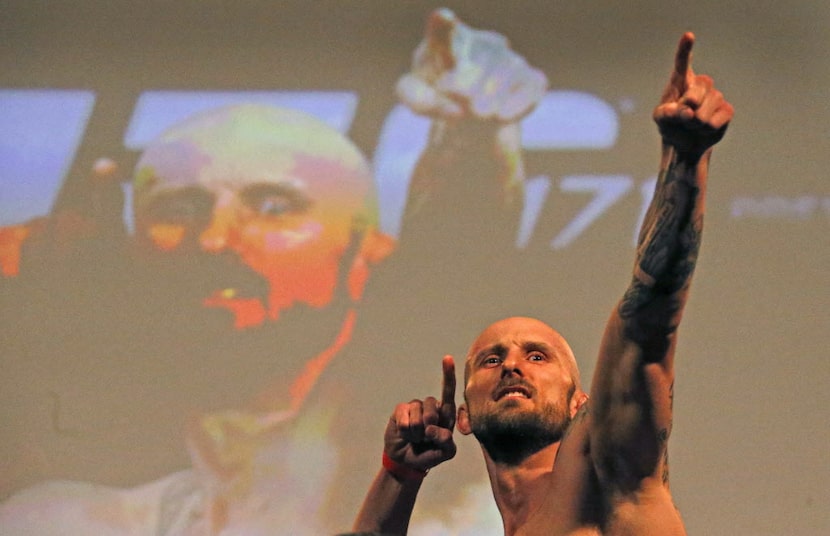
{"type": "Point", "coordinates": [401, 471]}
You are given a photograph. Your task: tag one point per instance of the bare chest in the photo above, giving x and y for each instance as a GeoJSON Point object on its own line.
{"type": "Point", "coordinates": [578, 505]}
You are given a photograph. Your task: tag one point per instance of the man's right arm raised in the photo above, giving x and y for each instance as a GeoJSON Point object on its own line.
{"type": "Point", "coordinates": [632, 390]}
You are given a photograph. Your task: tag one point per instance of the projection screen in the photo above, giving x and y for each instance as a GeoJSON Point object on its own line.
{"type": "Point", "coordinates": [230, 245]}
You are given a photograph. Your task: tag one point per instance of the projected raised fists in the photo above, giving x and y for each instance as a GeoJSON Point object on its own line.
{"type": "Point", "coordinates": [467, 189]}
{"type": "Point", "coordinates": [458, 71]}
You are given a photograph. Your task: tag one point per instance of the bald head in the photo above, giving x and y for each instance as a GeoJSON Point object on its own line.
{"type": "Point", "coordinates": [521, 389]}
{"type": "Point", "coordinates": [523, 330]}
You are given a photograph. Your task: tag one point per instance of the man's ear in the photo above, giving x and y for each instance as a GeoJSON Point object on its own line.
{"type": "Point", "coordinates": [462, 421]}
{"type": "Point", "coordinates": [374, 247]}
{"type": "Point", "coordinates": [577, 400]}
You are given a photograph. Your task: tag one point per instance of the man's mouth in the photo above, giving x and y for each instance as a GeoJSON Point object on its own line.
{"type": "Point", "coordinates": [512, 391]}
{"type": "Point", "coordinates": [247, 311]}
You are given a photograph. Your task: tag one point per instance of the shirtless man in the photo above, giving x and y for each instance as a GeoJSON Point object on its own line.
{"type": "Point", "coordinates": [559, 463]}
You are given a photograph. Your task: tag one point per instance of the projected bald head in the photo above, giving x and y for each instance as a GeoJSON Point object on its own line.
{"type": "Point", "coordinates": [278, 188]}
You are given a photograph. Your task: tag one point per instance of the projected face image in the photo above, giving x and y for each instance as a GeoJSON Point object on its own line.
{"type": "Point", "coordinates": [281, 190]}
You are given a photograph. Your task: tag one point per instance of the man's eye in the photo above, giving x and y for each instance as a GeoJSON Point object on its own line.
{"type": "Point", "coordinates": [274, 199]}
{"type": "Point", "coordinates": [494, 360]}
{"type": "Point", "coordinates": [274, 206]}
{"type": "Point", "coordinates": [536, 357]}
{"type": "Point", "coordinates": [188, 206]}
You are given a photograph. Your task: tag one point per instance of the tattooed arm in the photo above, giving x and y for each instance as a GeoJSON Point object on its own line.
{"type": "Point", "coordinates": [633, 383]}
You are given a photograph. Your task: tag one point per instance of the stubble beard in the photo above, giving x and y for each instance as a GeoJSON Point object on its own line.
{"type": "Point", "coordinates": [510, 438]}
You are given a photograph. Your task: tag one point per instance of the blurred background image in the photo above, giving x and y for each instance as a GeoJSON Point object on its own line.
{"type": "Point", "coordinates": [234, 235]}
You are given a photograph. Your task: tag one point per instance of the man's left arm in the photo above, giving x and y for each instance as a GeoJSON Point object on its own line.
{"type": "Point", "coordinates": [632, 390]}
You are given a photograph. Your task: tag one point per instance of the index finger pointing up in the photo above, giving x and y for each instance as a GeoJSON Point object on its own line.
{"type": "Point", "coordinates": [683, 62]}
{"type": "Point", "coordinates": [448, 387]}
{"type": "Point", "coordinates": [439, 31]}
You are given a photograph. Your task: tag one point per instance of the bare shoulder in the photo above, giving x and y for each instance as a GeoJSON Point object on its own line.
{"type": "Point", "coordinates": [580, 504]}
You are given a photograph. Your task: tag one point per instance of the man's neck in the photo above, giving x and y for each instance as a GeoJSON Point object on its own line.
{"type": "Point", "coordinates": [520, 489]}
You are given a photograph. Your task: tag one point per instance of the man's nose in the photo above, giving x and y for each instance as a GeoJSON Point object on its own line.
{"type": "Point", "coordinates": [512, 364]}
{"type": "Point", "coordinates": [219, 233]}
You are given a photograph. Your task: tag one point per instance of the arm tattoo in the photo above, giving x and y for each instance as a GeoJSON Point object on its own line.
{"type": "Point", "coordinates": [671, 396]}
{"type": "Point", "coordinates": [663, 440]}
{"type": "Point", "coordinates": [667, 252]}
{"type": "Point", "coordinates": [670, 237]}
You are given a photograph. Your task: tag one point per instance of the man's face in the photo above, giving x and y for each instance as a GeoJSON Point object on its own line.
{"type": "Point", "coordinates": [277, 188]}
{"type": "Point", "coordinates": [520, 379]}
